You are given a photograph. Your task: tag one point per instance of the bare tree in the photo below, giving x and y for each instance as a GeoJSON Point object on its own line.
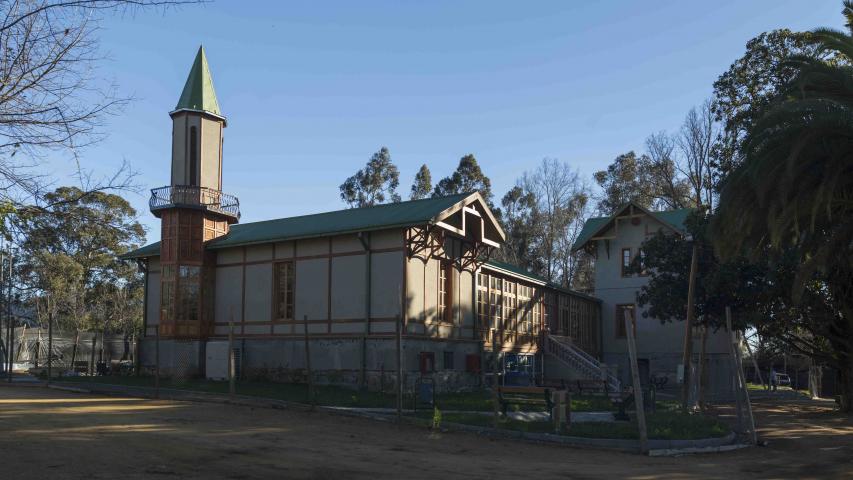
{"type": "Point", "coordinates": [670, 189]}
{"type": "Point", "coordinates": [51, 97]}
{"type": "Point", "coordinates": [561, 196]}
{"type": "Point", "coordinates": [696, 141]}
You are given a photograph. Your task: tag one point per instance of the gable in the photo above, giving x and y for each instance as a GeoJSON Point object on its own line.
{"type": "Point", "coordinates": [606, 228]}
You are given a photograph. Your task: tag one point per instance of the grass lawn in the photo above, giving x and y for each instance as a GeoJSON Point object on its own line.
{"type": "Point", "coordinates": [475, 401]}
{"type": "Point", "coordinates": [663, 425]}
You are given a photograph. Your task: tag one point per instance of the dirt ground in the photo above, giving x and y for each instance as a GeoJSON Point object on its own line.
{"type": "Point", "coordinates": [55, 434]}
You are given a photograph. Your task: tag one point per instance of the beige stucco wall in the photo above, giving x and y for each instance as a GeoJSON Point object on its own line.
{"type": "Point", "coordinates": [210, 145]}
{"type": "Point", "coordinates": [422, 295]}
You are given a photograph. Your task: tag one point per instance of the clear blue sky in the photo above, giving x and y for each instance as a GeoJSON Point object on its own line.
{"type": "Point", "coordinates": [312, 89]}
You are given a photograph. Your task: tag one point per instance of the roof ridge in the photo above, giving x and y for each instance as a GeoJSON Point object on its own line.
{"type": "Point", "coordinates": [370, 207]}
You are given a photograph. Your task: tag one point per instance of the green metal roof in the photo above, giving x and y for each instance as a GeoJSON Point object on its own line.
{"type": "Point", "coordinates": [198, 92]}
{"type": "Point", "coordinates": [150, 250]}
{"type": "Point", "coordinates": [672, 218]}
{"type": "Point", "coordinates": [379, 217]}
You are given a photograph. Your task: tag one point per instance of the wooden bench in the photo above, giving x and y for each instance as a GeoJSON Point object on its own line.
{"type": "Point", "coordinates": [525, 396]}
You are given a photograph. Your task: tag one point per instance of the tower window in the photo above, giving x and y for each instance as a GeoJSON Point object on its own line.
{"type": "Point", "coordinates": [193, 160]}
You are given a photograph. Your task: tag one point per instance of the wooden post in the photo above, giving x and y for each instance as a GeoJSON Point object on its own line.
{"type": "Point", "coordinates": [49, 342]}
{"type": "Point", "coordinates": [497, 414]}
{"type": "Point", "coordinates": [311, 397]}
{"type": "Point", "coordinates": [638, 388]}
{"type": "Point", "coordinates": [157, 355]}
{"type": "Point", "coordinates": [742, 381]}
{"type": "Point", "coordinates": [92, 355]}
{"type": "Point", "coordinates": [688, 327]}
{"type": "Point", "coordinates": [738, 390]}
{"type": "Point", "coordinates": [231, 373]}
{"type": "Point", "coordinates": [701, 373]}
{"type": "Point", "coordinates": [399, 322]}
{"type": "Point", "coordinates": [560, 410]}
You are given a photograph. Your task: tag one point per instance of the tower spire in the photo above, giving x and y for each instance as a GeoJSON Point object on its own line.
{"type": "Point", "coordinates": [198, 94]}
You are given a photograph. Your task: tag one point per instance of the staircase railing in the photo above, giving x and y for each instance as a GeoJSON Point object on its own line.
{"type": "Point", "coordinates": [564, 350]}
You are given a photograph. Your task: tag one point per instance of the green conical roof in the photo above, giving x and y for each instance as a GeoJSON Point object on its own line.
{"type": "Point", "coordinates": [198, 92]}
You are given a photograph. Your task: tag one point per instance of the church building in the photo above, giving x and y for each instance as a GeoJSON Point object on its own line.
{"type": "Point", "coordinates": [343, 282]}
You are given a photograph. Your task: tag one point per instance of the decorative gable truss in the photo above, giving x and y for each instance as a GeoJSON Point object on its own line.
{"type": "Point", "coordinates": [466, 232]}
{"type": "Point", "coordinates": [607, 229]}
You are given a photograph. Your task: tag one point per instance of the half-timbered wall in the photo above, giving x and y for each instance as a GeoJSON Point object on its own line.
{"type": "Point", "coordinates": [330, 286]}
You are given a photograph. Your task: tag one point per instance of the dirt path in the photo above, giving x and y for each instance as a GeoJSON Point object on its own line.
{"type": "Point", "coordinates": [53, 434]}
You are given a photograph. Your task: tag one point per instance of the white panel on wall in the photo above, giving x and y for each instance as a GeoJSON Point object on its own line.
{"type": "Point", "coordinates": [387, 280]}
{"type": "Point", "coordinates": [311, 288]}
{"type": "Point", "coordinates": [284, 250]}
{"type": "Point", "coordinates": [348, 286]}
{"type": "Point", "coordinates": [312, 246]}
{"type": "Point", "coordinates": [415, 287]}
{"type": "Point", "coordinates": [386, 239]}
{"type": "Point", "coordinates": [229, 293]}
{"type": "Point", "coordinates": [431, 291]}
{"type": "Point", "coordinates": [346, 243]}
{"type": "Point", "coordinates": [466, 300]}
{"type": "Point", "coordinates": [229, 255]}
{"type": "Point", "coordinates": [257, 253]}
{"type": "Point", "coordinates": [259, 292]}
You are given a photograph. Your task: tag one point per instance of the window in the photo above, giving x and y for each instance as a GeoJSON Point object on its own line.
{"type": "Point", "coordinates": [284, 291]}
{"type": "Point", "coordinates": [642, 256]}
{"type": "Point", "coordinates": [626, 261]}
{"type": "Point", "coordinates": [427, 362]}
{"type": "Point", "coordinates": [445, 292]}
{"type": "Point", "coordinates": [189, 279]}
{"type": "Point", "coordinates": [193, 160]}
{"type": "Point", "coordinates": [620, 319]}
{"type": "Point", "coordinates": [448, 360]}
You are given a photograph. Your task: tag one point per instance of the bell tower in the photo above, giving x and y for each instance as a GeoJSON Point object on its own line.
{"type": "Point", "coordinates": [192, 209]}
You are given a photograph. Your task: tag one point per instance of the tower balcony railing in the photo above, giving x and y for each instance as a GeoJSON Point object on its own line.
{"type": "Point", "coordinates": [190, 196]}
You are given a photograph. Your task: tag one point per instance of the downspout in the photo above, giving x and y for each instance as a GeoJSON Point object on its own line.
{"type": "Point", "coordinates": [364, 238]}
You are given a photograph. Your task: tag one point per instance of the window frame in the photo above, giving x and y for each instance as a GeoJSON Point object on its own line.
{"type": "Point", "coordinates": [444, 310]}
{"type": "Point", "coordinates": [622, 261]}
{"type": "Point", "coordinates": [289, 291]}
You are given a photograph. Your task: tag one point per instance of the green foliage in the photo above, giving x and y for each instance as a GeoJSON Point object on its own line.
{"type": "Point", "coordinates": [738, 283]}
{"type": "Point", "coordinates": [376, 183]}
{"type": "Point", "coordinates": [789, 202]}
{"type": "Point", "coordinates": [468, 177]}
{"type": "Point", "coordinates": [751, 83]}
{"type": "Point", "coordinates": [422, 186]}
{"type": "Point", "coordinates": [650, 181]}
{"type": "Point", "coordinates": [522, 227]}
{"type": "Point", "coordinates": [70, 253]}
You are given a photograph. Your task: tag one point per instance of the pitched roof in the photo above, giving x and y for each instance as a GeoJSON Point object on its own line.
{"type": "Point", "coordinates": [352, 220]}
{"type": "Point", "coordinates": [198, 93]}
{"type": "Point", "coordinates": [672, 218]}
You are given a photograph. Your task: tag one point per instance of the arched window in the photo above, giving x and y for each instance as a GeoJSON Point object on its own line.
{"type": "Point", "coordinates": [193, 180]}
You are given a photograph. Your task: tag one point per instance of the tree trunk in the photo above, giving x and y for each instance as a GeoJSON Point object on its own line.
{"type": "Point", "coordinates": [688, 327]}
{"type": "Point", "coordinates": [74, 348]}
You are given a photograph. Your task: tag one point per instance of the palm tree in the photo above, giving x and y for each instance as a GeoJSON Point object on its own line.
{"type": "Point", "coordinates": [793, 191]}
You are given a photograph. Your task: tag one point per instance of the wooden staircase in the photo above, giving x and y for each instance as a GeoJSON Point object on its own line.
{"type": "Point", "coordinates": [568, 354]}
